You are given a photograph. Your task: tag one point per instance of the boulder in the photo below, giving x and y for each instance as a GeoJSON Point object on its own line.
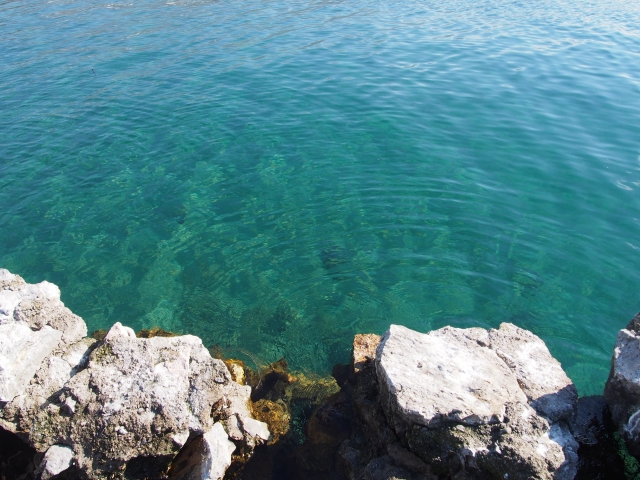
{"type": "Point", "coordinates": [57, 459]}
{"type": "Point", "coordinates": [477, 402]}
{"type": "Point", "coordinates": [116, 408]}
{"type": "Point", "coordinates": [622, 390]}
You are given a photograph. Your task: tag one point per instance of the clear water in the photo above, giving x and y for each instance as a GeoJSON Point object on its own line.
{"type": "Point", "coordinates": [276, 176]}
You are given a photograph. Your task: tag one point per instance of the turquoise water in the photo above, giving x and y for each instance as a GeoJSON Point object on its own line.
{"type": "Point", "coordinates": [276, 176]}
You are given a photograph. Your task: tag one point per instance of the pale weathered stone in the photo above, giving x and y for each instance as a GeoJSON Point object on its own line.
{"type": "Point", "coordinates": [21, 352]}
{"type": "Point", "coordinates": [455, 402]}
{"type": "Point", "coordinates": [217, 454]}
{"type": "Point", "coordinates": [255, 428]}
{"type": "Point", "coordinates": [119, 330]}
{"type": "Point", "coordinates": [206, 457]}
{"type": "Point", "coordinates": [36, 306]}
{"type": "Point", "coordinates": [57, 459]}
{"type": "Point", "coordinates": [114, 401]}
{"type": "Point", "coordinates": [54, 372]}
{"type": "Point", "coordinates": [622, 390]}
{"type": "Point", "coordinates": [540, 376]}
{"type": "Point", "coordinates": [444, 376]}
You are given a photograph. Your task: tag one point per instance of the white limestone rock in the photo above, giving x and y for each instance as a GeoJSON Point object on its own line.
{"type": "Point", "coordinates": [446, 375]}
{"type": "Point", "coordinates": [141, 398]}
{"type": "Point", "coordinates": [36, 306]}
{"type": "Point", "coordinates": [540, 376]}
{"type": "Point", "coordinates": [57, 459]}
{"type": "Point", "coordinates": [114, 401]}
{"type": "Point", "coordinates": [138, 395]}
{"type": "Point", "coordinates": [54, 372]}
{"type": "Point", "coordinates": [452, 397]}
{"type": "Point", "coordinates": [622, 390]}
{"type": "Point", "coordinates": [22, 350]}
{"type": "Point", "coordinates": [255, 428]}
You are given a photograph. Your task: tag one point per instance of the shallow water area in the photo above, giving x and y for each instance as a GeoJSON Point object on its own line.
{"type": "Point", "coordinates": [276, 176]}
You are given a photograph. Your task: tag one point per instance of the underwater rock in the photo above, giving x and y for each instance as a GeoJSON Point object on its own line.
{"type": "Point", "coordinates": [333, 256]}
{"type": "Point", "coordinates": [475, 401]}
{"type": "Point", "coordinates": [275, 414]}
{"type": "Point", "coordinates": [622, 390]}
{"type": "Point", "coordinates": [119, 407]}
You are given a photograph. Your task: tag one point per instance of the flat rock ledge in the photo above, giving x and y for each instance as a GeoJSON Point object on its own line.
{"type": "Point", "coordinates": [461, 404]}
{"type": "Point", "coordinates": [123, 407]}
{"type": "Point", "coordinates": [622, 390]}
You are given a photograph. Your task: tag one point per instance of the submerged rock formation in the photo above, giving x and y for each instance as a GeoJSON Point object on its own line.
{"type": "Point", "coordinates": [120, 407]}
{"type": "Point", "coordinates": [622, 390]}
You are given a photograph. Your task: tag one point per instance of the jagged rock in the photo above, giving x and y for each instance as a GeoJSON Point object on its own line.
{"type": "Point", "coordinates": [34, 324]}
{"type": "Point", "coordinates": [142, 398]}
{"type": "Point", "coordinates": [622, 390]}
{"type": "Point", "coordinates": [471, 401]}
{"type": "Point", "coordinates": [255, 428]}
{"type": "Point", "coordinates": [119, 407]}
{"type": "Point", "coordinates": [37, 306]}
{"type": "Point", "coordinates": [206, 457]}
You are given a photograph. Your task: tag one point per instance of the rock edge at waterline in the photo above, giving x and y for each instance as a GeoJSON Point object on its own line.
{"type": "Point", "coordinates": [471, 403]}
{"type": "Point", "coordinates": [118, 407]}
{"type": "Point", "coordinates": [453, 403]}
{"type": "Point", "coordinates": [622, 390]}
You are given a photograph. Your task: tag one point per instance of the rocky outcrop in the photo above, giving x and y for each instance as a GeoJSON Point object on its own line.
{"type": "Point", "coordinates": [120, 407]}
{"type": "Point", "coordinates": [622, 390]}
{"type": "Point", "coordinates": [460, 403]}
{"type": "Point", "coordinates": [451, 404]}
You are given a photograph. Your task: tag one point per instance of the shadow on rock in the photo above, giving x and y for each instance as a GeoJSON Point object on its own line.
{"type": "Point", "coordinates": [602, 453]}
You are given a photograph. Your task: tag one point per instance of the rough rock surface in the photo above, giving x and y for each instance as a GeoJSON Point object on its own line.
{"type": "Point", "coordinates": [123, 406]}
{"type": "Point", "coordinates": [22, 350]}
{"type": "Point", "coordinates": [622, 390]}
{"type": "Point", "coordinates": [57, 459]}
{"type": "Point", "coordinates": [479, 403]}
{"type": "Point", "coordinates": [205, 458]}
{"type": "Point", "coordinates": [364, 350]}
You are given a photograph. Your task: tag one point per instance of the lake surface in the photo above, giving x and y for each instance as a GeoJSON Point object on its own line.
{"type": "Point", "coordinates": [276, 176]}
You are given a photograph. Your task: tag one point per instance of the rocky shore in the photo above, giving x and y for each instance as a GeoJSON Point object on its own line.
{"type": "Point", "coordinates": [450, 404]}
{"type": "Point", "coordinates": [121, 407]}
